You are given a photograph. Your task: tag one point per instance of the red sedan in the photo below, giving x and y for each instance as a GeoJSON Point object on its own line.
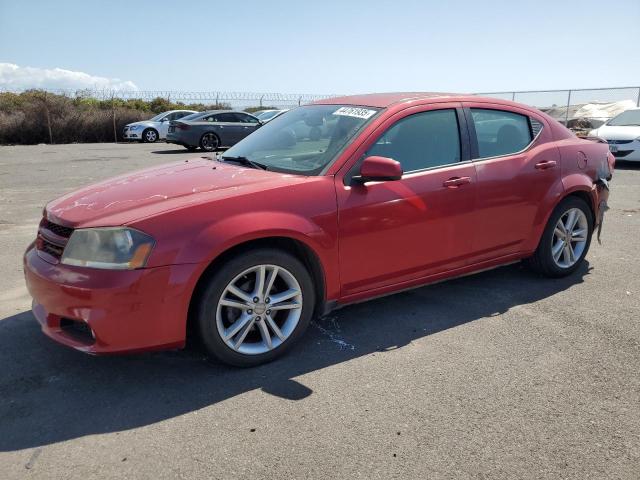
{"type": "Point", "coordinates": [330, 203]}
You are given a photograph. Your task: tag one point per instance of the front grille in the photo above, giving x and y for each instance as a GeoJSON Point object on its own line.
{"type": "Point", "coordinates": [59, 230]}
{"type": "Point", "coordinates": [621, 153]}
{"type": "Point", "coordinates": [52, 238]}
{"type": "Point", "coordinates": [619, 142]}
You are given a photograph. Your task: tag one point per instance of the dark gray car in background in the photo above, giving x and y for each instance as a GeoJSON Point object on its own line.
{"type": "Point", "coordinates": [212, 130]}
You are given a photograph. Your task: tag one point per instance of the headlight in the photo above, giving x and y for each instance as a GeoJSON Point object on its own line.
{"type": "Point", "coordinates": [109, 248]}
{"type": "Point", "coordinates": [134, 127]}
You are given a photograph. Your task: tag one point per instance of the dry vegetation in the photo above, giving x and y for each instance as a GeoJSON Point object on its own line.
{"type": "Point", "coordinates": [36, 116]}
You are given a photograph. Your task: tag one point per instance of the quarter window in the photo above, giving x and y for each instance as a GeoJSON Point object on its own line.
{"type": "Point", "coordinates": [422, 140]}
{"type": "Point", "coordinates": [500, 132]}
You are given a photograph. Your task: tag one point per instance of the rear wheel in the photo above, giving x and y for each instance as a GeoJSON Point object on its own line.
{"type": "Point", "coordinates": [150, 135]}
{"type": "Point", "coordinates": [566, 239]}
{"type": "Point", "coordinates": [209, 142]}
{"type": "Point", "coordinates": [255, 307]}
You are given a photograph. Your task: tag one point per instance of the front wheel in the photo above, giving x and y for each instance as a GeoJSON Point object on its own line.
{"type": "Point", "coordinates": [255, 307]}
{"type": "Point", "coordinates": [150, 135]}
{"type": "Point", "coordinates": [566, 239]}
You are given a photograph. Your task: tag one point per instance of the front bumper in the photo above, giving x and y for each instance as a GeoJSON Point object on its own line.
{"type": "Point", "coordinates": [625, 149]}
{"type": "Point", "coordinates": [129, 134]}
{"type": "Point", "coordinates": [110, 311]}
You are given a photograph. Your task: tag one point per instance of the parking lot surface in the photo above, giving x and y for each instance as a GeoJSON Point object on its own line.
{"type": "Point", "coordinates": [498, 375]}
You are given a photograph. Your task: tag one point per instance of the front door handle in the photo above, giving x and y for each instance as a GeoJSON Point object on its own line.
{"type": "Point", "coordinates": [543, 165]}
{"type": "Point", "coordinates": [455, 182]}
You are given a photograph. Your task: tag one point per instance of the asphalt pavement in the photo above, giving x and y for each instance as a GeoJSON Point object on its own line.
{"type": "Point", "coordinates": [498, 375]}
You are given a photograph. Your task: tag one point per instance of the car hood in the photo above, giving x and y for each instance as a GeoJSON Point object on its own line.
{"type": "Point", "coordinates": [143, 123]}
{"type": "Point", "coordinates": [618, 133]}
{"type": "Point", "coordinates": [145, 193]}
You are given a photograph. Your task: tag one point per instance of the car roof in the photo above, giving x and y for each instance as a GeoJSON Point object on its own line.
{"type": "Point", "coordinates": [384, 100]}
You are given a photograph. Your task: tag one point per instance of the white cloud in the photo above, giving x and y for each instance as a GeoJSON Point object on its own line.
{"type": "Point", "coordinates": [16, 77]}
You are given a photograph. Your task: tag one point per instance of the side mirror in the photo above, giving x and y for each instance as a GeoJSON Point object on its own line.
{"type": "Point", "coordinates": [379, 169]}
{"type": "Point", "coordinates": [164, 119]}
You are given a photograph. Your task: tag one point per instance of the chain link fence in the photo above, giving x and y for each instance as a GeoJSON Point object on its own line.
{"type": "Point", "coordinates": [566, 105]}
{"type": "Point", "coordinates": [238, 100]}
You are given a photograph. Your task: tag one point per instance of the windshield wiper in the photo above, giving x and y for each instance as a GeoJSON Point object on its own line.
{"type": "Point", "coordinates": [245, 161]}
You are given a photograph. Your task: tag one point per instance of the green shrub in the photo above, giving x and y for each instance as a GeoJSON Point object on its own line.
{"type": "Point", "coordinates": [36, 116]}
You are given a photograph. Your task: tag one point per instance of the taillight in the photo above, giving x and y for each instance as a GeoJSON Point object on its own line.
{"type": "Point", "coordinates": [183, 126]}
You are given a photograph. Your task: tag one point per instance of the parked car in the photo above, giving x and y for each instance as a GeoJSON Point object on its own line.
{"type": "Point", "coordinates": [266, 115]}
{"type": "Point", "coordinates": [243, 250]}
{"type": "Point", "coordinates": [622, 133]}
{"type": "Point", "coordinates": [212, 130]}
{"type": "Point", "coordinates": [154, 129]}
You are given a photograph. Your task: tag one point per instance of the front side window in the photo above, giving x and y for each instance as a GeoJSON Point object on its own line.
{"type": "Point", "coordinates": [304, 140]}
{"type": "Point", "coordinates": [500, 132]}
{"type": "Point", "coordinates": [422, 140]}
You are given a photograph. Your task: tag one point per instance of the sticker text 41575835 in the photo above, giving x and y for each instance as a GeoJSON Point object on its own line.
{"type": "Point", "coordinates": [356, 112]}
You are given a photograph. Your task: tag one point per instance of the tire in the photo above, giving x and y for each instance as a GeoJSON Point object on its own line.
{"type": "Point", "coordinates": [209, 142]}
{"type": "Point", "coordinates": [543, 260]}
{"type": "Point", "coordinates": [150, 135]}
{"type": "Point", "coordinates": [243, 320]}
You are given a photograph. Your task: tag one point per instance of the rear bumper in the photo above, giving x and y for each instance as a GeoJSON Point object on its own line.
{"type": "Point", "coordinates": [104, 311]}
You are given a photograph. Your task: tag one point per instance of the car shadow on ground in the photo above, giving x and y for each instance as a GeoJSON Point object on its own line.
{"type": "Point", "coordinates": [51, 393]}
{"type": "Point", "coordinates": [175, 152]}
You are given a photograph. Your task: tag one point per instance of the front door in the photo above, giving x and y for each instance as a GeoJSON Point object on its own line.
{"type": "Point", "coordinates": [402, 230]}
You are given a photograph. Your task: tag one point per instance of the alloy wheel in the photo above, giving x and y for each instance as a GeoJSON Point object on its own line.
{"type": "Point", "coordinates": [569, 238]}
{"type": "Point", "coordinates": [151, 136]}
{"type": "Point", "coordinates": [209, 142]}
{"type": "Point", "coordinates": [259, 309]}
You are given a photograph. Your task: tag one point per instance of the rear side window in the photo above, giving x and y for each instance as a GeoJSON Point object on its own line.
{"type": "Point", "coordinates": [423, 140]}
{"type": "Point", "coordinates": [227, 117]}
{"type": "Point", "coordinates": [500, 132]}
{"type": "Point", "coordinates": [241, 117]}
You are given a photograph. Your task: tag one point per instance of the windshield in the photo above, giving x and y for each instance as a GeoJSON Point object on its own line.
{"type": "Point", "coordinates": [158, 117]}
{"type": "Point", "coordinates": [193, 116]}
{"type": "Point", "coordinates": [628, 118]}
{"type": "Point", "coordinates": [266, 115]}
{"type": "Point", "coordinates": [303, 140]}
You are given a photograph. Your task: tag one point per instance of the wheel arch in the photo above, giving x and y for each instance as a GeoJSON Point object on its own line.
{"type": "Point", "coordinates": [151, 128]}
{"type": "Point", "coordinates": [301, 250]}
{"type": "Point", "coordinates": [580, 191]}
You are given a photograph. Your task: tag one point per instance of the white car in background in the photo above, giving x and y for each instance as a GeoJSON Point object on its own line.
{"type": "Point", "coordinates": [622, 133]}
{"type": "Point", "coordinates": [155, 128]}
{"type": "Point", "coordinates": [267, 115]}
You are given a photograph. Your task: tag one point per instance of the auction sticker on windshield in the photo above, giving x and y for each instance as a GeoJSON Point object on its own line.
{"type": "Point", "coordinates": [356, 112]}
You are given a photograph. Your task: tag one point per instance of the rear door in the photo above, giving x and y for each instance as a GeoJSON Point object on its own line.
{"type": "Point", "coordinates": [230, 128]}
{"type": "Point", "coordinates": [518, 168]}
{"type": "Point", "coordinates": [249, 124]}
{"type": "Point", "coordinates": [397, 231]}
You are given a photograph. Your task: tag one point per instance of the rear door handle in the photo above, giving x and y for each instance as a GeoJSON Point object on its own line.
{"type": "Point", "coordinates": [455, 182]}
{"type": "Point", "coordinates": [545, 164]}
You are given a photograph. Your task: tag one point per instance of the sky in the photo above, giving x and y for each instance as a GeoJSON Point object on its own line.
{"type": "Point", "coordinates": [320, 47]}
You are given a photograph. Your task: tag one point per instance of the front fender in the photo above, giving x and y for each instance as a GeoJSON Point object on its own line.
{"type": "Point", "coordinates": [232, 231]}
